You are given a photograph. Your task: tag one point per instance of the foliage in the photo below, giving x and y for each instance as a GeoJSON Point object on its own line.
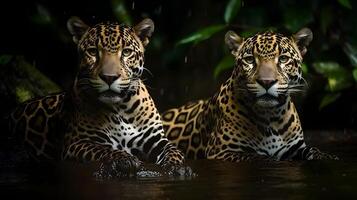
{"type": "Point", "coordinates": [121, 12]}
{"type": "Point", "coordinates": [224, 64]}
{"type": "Point", "coordinates": [232, 9]}
{"type": "Point", "coordinates": [202, 34]}
{"type": "Point", "coordinates": [331, 34]}
{"type": "Point", "coordinates": [338, 79]}
{"type": "Point", "coordinates": [22, 81]}
{"type": "Point", "coordinates": [345, 3]}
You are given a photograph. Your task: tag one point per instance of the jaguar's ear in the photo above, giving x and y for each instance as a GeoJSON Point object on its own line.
{"type": "Point", "coordinates": [77, 28]}
{"type": "Point", "coordinates": [303, 39]}
{"type": "Point", "coordinates": [144, 30]}
{"type": "Point", "coordinates": [233, 41]}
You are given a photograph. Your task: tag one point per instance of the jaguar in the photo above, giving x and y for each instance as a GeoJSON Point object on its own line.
{"type": "Point", "coordinates": [108, 115]}
{"type": "Point", "coordinates": [252, 116]}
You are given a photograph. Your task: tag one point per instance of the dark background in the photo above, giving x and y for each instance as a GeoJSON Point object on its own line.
{"type": "Point", "coordinates": [37, 31]}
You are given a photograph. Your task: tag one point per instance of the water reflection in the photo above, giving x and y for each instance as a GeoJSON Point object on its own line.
{"type": "Point", "coordinates": [215, 180]}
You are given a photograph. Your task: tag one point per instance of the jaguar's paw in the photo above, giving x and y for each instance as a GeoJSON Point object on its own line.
{"type": "Point", "coordinates": [316, 154]}
{"type": "Point", "coordinates": [178, 171]}
{"type": "Point", "coordinates": [117, 168]}
{"type": "Point", "coordinates": [327, 156]}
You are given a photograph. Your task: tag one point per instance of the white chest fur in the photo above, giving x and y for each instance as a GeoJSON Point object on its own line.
{"type": "Point", "coordinates": [271, 145]}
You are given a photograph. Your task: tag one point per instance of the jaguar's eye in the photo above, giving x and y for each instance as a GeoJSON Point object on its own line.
{"type": "Point", "coordinates": [283, 59]}
{"type": "Point", "coordinates": [249, 59]}
{"type": "Point", "coordinates": [92, 51]}
{"type": "Point", "coordinates": [126, 52]}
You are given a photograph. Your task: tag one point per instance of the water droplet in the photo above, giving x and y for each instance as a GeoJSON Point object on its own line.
{"type": "Point", "coordinates": [133, 5]}
{"type": "Point", "coordinates": [185, 59]}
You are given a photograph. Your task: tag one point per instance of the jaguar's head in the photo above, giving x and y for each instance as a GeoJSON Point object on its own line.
{"type": "Point", "coordinates": [111, 58]}
{"type": "Point", "coordinates": [268, 65]}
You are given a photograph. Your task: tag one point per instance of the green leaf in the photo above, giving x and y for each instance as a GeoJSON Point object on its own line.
{"type": "Point", "coordinates": [226, 63]}
{"type": "Point", "coordinates": [338, 78]}
{"type": "Point", "coordinates": [345, 3]}
{"type": "Point", "coordinates": [351, 52]}
{"type": "Point", "coordinates": [23, 94]}
{"type": "Point", "coordinates": [335, 84]}
{"type": "Point", "coordinates": [328, 99]}
{"type": "Point", "coordinates": [120, 11]}
{"type": "Point", "coordinates": [231, 11]}
{"type": "Point", "coordinates": [354, 73]}
{"type": "Point", "coordinates": [295, 19]}
{"type": "Point", "coordinates": [5, 59]}
{"type": "Point", "coordinates": [201, 35]}
{"type": "Point", "coordinates": [326, 68]}
{"type": "Point", "coordinates": [304, 68]}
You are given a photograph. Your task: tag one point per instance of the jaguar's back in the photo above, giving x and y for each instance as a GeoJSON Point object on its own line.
{"type": "Point", "coordinates": [38, 123]}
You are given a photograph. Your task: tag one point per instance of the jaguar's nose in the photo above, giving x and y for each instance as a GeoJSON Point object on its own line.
{"type": "Point", "coordinates": [266, 83]}
{"type": "Point", "coordinates": [109, 79]}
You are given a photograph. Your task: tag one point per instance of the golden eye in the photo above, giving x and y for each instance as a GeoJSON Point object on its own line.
{"type": "Point", "coordinates": [126, 52]}
{"type": "Point", "coordinates": [92, 51]}
{"type": "Point", "coordinates": [249, 59]}
{"type": "Point", "coordinates": [283, 59]}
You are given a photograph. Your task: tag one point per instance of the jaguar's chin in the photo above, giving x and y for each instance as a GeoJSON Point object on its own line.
{"type": "Point", "coordinates": [111, 97]}
{"type": "Point", "coordinates": [267, 101]}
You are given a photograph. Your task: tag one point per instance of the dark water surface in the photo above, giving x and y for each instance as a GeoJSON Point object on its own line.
{"type": "Point", "coordinates": [215, 180]}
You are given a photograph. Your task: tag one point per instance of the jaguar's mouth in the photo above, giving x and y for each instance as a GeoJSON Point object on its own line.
{"type": "Point", "coordinates": [267, 97]}
{"type": "Point", "coordinates": [268, 100]}
{"type": "Point", "coordinates": [111, 93]}
{"type": "Point", "coordinates": [111, 97]}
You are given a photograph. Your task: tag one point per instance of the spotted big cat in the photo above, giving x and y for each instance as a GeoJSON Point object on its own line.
{"type": "Point", "coordinates": [252, 116]}
{"type": "Point", "coordinates": [109, 115]}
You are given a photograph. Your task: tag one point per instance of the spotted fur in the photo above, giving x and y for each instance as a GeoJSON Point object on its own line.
{"type": "Point", "coordinates": [252, 115]}
{"type": "Point", "coordinates": [109, 115]}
